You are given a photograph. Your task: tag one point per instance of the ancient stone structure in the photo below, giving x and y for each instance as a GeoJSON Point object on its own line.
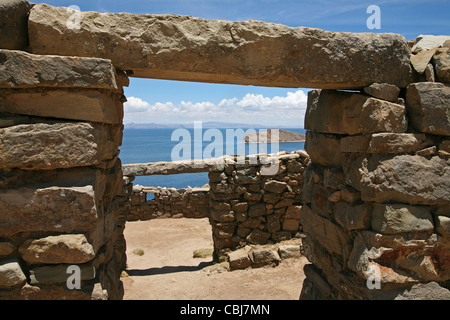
{"type": "Point", "coordinates": [168, 203]}
{"type": "Point", "coordinates": [250, 200]}
{"type": "Point", "coordinates": [376, 190]}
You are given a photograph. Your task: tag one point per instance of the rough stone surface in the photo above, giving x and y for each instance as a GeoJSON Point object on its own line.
{"type": "Point", "coordinates": [51, 208]}
{"type": "Point", "coordinates": [325, 232]}
{"type": "Point", "coordinates": [58, 273]}
{"type": "Point", "coordinates": [383, 91]}
{"type": "Point", "coordinates": [402, 179]}
{"type": "Point", "coordinates": [13, 24]}
{"type": "Point", "coordinates": [441, 61]}
{"type": "Point", "coordinates": [11, 273]}
{"type": "Point", "coordinates": [323, 149]}
{"type": "Point", "coordinates": [86, 105]}
{"type": "Point", "coordinates": [428, 107]}
{"type": "Point", "coordinates": [398, 218]}
{"type": "Point", "coordinates": [427, 42]}
{"type": "Point", "coordinates": [66, 248]}
{"type": "Point", "coordinates": [33, 146]}
{"type": "Point", "coordinates": [425, 291]}
{"type": "Point", "coordinates": [421, 60]}
{"type": "Point", "coordinates": [340, 112]}
{"type": "Point", "coordinates": [19, 69]}
{"type": "Point", "coordinates": [249, 52]}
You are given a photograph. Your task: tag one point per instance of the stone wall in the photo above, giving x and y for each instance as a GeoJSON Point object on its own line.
{"type": "Point", "coordinates": [168, 203]}
{"type": "Point", "coordinates": [377, 195]}
{"type": "Point", "coordinates": [60, 177]}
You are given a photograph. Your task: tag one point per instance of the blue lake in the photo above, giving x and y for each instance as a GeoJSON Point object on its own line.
{"type": "Point", "coordinates": [152, 145]}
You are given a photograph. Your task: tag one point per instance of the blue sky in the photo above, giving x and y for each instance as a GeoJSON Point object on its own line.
{"type": "Point", "coordinates": [163, 101]}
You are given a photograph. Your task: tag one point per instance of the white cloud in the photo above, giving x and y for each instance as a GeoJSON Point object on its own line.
{"type": "Point", "coordinates": [252, 108]}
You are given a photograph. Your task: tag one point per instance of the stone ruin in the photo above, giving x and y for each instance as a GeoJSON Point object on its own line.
{"type": "Point", "coordinates": [375, 197]}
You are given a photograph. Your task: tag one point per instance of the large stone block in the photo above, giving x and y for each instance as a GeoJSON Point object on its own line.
{"type": "Point", "coordinates": [340, 112]}
{"type": "Point", "coordinates": [87, 105]}
{"type": "Point", "coordinates": [398, 218]}
{"type": "Point", "coordinates": [65, 248]}
{"type": "Point", "coordinates": [324, 149]}
{"type": "Point", "coordinates": [44, 146]}
{"type": "Point", "coordinates": [401, 179]}
{"type": "Point", "coordinates": [14, 24]}
{"type": "Point", "coordinates": [64, 204]}
{"type": "Point", "coordinates": [324, 231]}
{"type": "Point", "coordinates": [429, 108]}
{"type": "Point", "coordinates": [249, 53]}
{"type": "Point", "coordinates": [19, 69]}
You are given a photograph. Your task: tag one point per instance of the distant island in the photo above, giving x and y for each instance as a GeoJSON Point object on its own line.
{"type": "Point", "coordinates": [266, 136]}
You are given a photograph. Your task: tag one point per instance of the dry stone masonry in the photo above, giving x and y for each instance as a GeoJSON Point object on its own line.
{"type": "Point", "coordinates": [60, 177]}
{"type": "Point", "coordinates": [372, 195]}
{"type": "Point", "coordinates": [377, 191]}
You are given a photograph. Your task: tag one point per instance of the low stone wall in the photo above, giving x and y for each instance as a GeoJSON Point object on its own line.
{"type": "Point", "coordinates": [60, 178]}
{"type": "Point", "coordinates": [249, 207]}
{"type": "Point", "coordinates": [168, 203]}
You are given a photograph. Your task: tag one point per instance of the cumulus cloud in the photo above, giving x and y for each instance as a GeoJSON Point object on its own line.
{"type": "Point", "coordinates": [251, 108]}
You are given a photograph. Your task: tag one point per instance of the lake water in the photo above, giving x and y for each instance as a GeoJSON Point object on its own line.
{"type": "Point", "coordinates": [152, 145]}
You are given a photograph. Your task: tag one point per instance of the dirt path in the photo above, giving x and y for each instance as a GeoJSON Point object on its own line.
{"type": "Point", "coordinates": [168, 271]}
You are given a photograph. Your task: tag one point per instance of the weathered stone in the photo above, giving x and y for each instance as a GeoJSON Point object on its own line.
{"type": "Point", "coordinates": [350, 195]}
{"type": "Point", "coordinates": [427, 151]}
{"type": "Point", "coordinates": [398, 143]}
{"type": "Point", "coordinates": [264, 256]}
{"type": "Point", "coordinates": [427, 42]}
{"type": "Point", "coordinates": [322, 230]}
{"type": "Point", "coordinates": [290, 224]}
{"type": "Point", "coordinates": [65, 248]}
{"type": "Point", "coordinates": [222, 215]}
{"type": "Point", "coordinates": [11, 273]}
{"type": "Point", "coordinates": [258, 237]}
{"type": "Point", "coordinates": [87, 104]}
{"type": "Point", "coordinates": [383, 91]}
{"type": "Point", "coordinates": [239, 259]}
{"type": "Point", "coordinates": [370, 247]}
{"type": "Point", "coordinates": [249, 52]}
{"type": "Point", "coordinates": [240, 207]}
{"type": "Point", "coordinates": [429, 73]}
{"type": "Point", "coordinates": [257, 210]}
{"type": "Point", "coordinates": [19, 69]}
{"type": "Point", "coordinates": [420, 61]}
{"type": "Point", "coordinates": [398, 218]}
{"type": "Point", "coordinates": [441, 61]}
{"type": "Point", "coordinates": [293, 212]}
{"type": "Point", "coordinates": [428, 107]}
{"type": "Point", "coordinates": [425, 291]}
{"type": "Point", "coordinates": [6, 248]}
{"type": "Point", "coordinates": [353, 217]}
{"type": "Point", "coordinates": [43, 146]}
{"type": "Point", "coordinates": [272, 198]}
{"type": "Point", "coordinates": [401, 179]}
{"type": "Point", "coordinates": [13, 25]}
{"type": "Point", "coordinates": [273, 223]}
{"type": "Point", "coordinates": [323, 149]}
{"type": "Point", "coordinates": [355, 144]}
{"type": "Point", "coordinates": [287, 251]}
{"type": "Point", "coordinates": [59, 273]}
{"type": "Point", "coordinates": [340, 112]}
{"type": "Point", "coordinates": [442, 225]}
{"type": "Point", "coordinates": [275, 186]}
{"type": "Point", "coordinates": [66, 203]}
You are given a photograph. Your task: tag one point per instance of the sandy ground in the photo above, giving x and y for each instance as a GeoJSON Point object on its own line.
{"type": "Point", "coordinates": [167, 270]}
